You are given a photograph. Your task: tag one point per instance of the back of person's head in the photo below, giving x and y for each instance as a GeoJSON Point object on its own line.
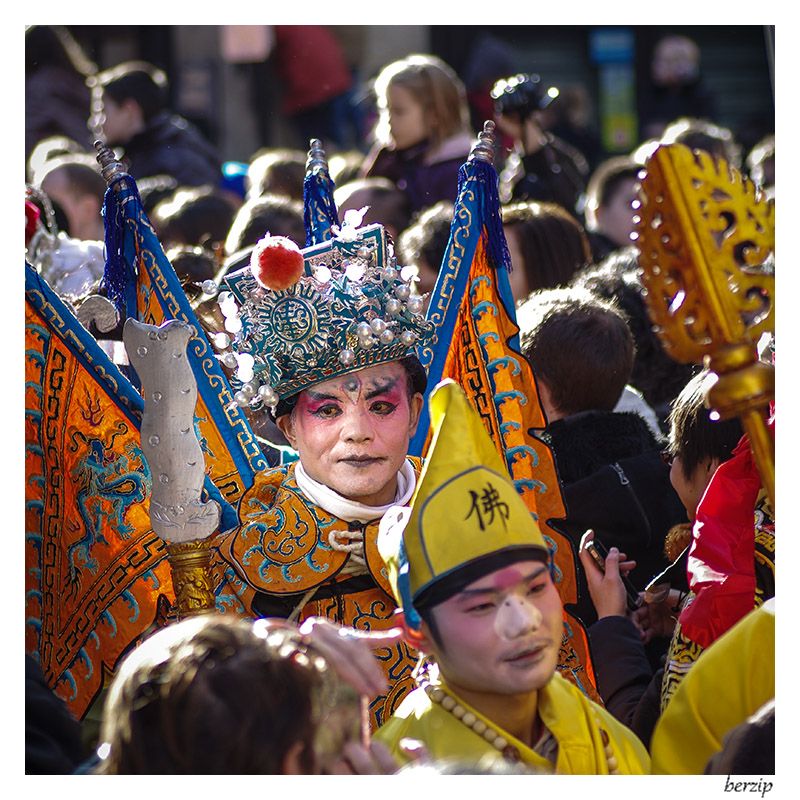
{"type": "Point", "coordinates": [434, 85]}
{"type": "Point", "coordinates": [154, 189]}
{"type": "Point", "coordinates": [386, 204]}
{"type": "Point", "coordinates": [761, 162]}
{"type": "Point", "coordinates": [277, 171]}
{"type": "Point", "coordinates": [75, 183]}
{"type": "Point", "coordinates": [47, 149]}
{"type": "Point", "coordinates": [548, 241]}
{"type": "Point", "coordinates": [655, 374]}
{"type": "Point", "coordinates": [54, 45]}
{"type": "Point", "coordinates": [139, 81]}
{"type": "Point", "coordinates": [212, 695]}
{"type": "Point", "coordinates": [696, 433]}
{"type": "Point", "coordinates": [345, 166]}
{"type": "Point", "coordinates": [194, 216]}
{"type": "Point", "coordinates": [610, 177]}
{"type": "Point", "coordinates": [423, 243]}
{"type": "Point", "coordinates": [279, 216]}
{"type": "Point", "coordinates": [700, 134]}
{"type": "Point", "coordinates": [80, 173]}
{"type": "Point", "coordinates": [579, 345]}
{"type": "Point", "coordinates": [192, 265]}
{"type": "Point", "coordinates": [749, 748]}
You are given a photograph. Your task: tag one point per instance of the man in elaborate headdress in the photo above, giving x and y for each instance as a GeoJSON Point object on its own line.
{"type": "Point", "coordinates": [472, 572]}
{"type": "Point", "coordinates": [325, 345]}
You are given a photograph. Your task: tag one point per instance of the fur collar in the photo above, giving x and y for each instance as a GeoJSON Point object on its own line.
{"type": "Point", "coordinates": [583, 443]}
{"type": "Point", "coordinates": [457, 146]}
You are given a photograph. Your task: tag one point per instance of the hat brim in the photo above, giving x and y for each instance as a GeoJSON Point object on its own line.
{"type": "Point", "coordinates": [450, 583]}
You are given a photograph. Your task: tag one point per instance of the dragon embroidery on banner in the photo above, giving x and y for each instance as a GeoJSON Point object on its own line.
{"type": "Point", "coordinates": [107, 483]}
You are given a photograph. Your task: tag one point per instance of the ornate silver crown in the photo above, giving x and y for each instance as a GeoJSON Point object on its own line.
{"type": "Point", "coordinates": [352, 308]}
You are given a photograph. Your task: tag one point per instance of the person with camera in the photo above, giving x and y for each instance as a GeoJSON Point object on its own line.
{"type": "Point", "coordinates": [541, 166]}
{"type": "Point", "coordinates": [699, 446]}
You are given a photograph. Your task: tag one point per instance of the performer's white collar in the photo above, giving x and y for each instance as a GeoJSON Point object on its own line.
{"type": "Point", "coordinates": [350, 510]}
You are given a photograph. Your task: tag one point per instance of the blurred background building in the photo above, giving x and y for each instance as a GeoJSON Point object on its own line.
{"type": "Point", "coordinates": [229, 82]}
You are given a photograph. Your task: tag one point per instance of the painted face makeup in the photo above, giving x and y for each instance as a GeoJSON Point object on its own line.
{"type": "Point", "coordinates": [501, 635]}
{"type": "Point", "coordinates": [352, 432]}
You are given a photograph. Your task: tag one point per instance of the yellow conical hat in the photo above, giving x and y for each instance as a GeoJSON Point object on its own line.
{"type": "Point", "coordinates": [465, 519]}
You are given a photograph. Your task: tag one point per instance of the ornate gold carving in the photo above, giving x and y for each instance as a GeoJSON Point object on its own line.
{"type": "Point", "coordinates": [704, 235]}
{"type": "Point", "coordinates": [191, 577]}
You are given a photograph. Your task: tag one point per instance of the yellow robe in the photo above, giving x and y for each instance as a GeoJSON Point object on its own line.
{"type": "Point", "coordinates": [730, 680]}
{"type": "Point", "coordinates": [573, 719]}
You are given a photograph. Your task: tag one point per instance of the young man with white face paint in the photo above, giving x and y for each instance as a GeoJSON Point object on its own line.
{"type": "Point", "coordinates": [345, 389]}
{"type": "Point", "coordinates": [472, 573]}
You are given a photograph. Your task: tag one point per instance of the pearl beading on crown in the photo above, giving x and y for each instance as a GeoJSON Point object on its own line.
{"type": "Point", "coordinates": [344, 314]}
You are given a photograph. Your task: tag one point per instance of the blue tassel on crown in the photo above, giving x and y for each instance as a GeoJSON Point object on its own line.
{"type": "Point", "coordinates": [481, 168]}
{"type": "Point", "coordinates": [319, 209]}
{"type": "Point", "coordinates": [119, 276]}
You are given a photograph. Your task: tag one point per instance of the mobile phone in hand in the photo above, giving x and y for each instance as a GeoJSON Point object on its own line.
{"type": "Point", "coordinates": [598, 551]}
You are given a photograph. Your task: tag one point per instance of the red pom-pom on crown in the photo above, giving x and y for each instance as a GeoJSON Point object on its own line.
{"type": "Point", "coordinates": [276, 262]}
{"type": "Point", "coordinates": [32, 216]}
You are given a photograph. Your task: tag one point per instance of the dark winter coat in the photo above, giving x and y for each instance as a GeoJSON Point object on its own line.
{"type": "Point", "coordinates": [556, 173]}
{"type": "Point", "coordinates": [602, 246]}
{"type": "Point", "coordinates": [615, 482]}
{"type": "Point", "coordinates": [170, 145]}
{"type": "Point", "coordinates": [426, 174]}
{"type": "Point", "coordinates": [625, 678]}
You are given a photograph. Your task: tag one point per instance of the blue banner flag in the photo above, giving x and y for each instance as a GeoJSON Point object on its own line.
{"type": "Point", "coordinates": [143, 285]}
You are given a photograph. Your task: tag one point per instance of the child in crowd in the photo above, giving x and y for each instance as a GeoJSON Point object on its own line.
{"type": "Point", "coordinates": [217, 695]}
{"type": "Point", "coordinates": [422, 136]}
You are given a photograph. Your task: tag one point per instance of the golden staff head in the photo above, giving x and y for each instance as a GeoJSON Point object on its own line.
{"type": "Point", "coordinates": [706, 237]}
{"type": "Point", "coordinates": [704, 234]}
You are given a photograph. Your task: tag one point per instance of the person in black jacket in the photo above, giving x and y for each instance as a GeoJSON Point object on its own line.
{"type": "Point", "coordinates": [129, 104]}
{"type": "Point", "coordinates": [609, 464]}
{"type": "Point", "coordinates": [541, 165]}
{"type": "Point", "coordinates": [628, 682]}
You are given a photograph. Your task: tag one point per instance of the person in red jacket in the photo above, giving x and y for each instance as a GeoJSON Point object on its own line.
{"type": "Point", "coordinates": [316, 82]}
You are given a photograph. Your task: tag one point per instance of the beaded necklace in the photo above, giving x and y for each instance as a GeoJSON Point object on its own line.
{"type": "Point", "coordinates": [448, 703]}
{"type": "Point", "coordinates": [498, 741]}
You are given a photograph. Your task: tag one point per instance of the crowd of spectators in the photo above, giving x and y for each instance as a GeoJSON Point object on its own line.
{"type": "Point", "coordinates": [615, 401]}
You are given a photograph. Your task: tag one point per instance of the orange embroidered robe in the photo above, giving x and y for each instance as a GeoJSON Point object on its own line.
{"type": "Point", "coordinates": [283, 550]}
